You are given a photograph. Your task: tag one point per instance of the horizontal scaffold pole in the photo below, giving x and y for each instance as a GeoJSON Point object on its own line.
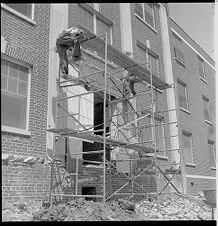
{"type": "Point", "coordinates": [78, 95]}
{"type": "Point", "coordinates": [81, 77]}
{"type": "Point", "coordinates": [127, 124]}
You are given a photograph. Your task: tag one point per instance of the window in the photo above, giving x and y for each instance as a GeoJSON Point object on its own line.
{"type": "Point", "coordinates": [154, 63]}
{"type": "Point", "coordinates": [94, 22]}
{"type": "Point", "coordinates": [183, 97]}
{"type": "Point", "coordinates": [147, 55]}
{"type": "Point", "coordinates": [179, 55]}
{"type": "Point", "coordinates": [178, 46]}
{"type": "Point", "coordinates": [25, 9]}
{"type": "Point", "coordinates": [206, 108]}
{"type": "Point", "coordinates": [159, 134]}
{"type": "Point", "coordinates": [212, 153]}
{"type": "Point", "coordinates": [201, 68]}
{"type": "Point", "coordinates": [187, 147]}
{"type": "Point", "coordinates": [14, 94]}
{"type": "Point", "coordinates": [146, 12]}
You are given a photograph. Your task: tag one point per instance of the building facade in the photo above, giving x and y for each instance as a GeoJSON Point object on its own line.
{"type": "Point", "coordinates": [144, 32]}
{"type": "Point", "coordinates": [194, 72]}
{"type": "Point", "coordinates": [24, 96]}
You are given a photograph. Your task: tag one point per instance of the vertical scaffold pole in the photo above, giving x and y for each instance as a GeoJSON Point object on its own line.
{"type": "Point", "coordinates": [153, 131]}
{"type": "Point", "coordinates": [104, 143]}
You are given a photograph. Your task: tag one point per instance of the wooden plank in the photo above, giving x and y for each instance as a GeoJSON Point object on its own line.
{"type": "Point", "coordinates": [99, 139]}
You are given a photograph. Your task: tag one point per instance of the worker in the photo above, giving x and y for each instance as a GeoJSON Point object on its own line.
{"type": "Point", "coordinates": [67, 41]}
{"type": "Point", "coordinates": [129, 82]}
{"type": "Point", "coordinates": [132, 83]}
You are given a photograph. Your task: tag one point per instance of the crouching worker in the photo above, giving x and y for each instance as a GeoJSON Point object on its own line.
{"type": "Point", "coordinates": [65, 41]}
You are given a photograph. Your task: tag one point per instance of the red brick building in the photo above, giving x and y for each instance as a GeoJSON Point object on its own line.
{"type": "Point", "coordinates": [28, 76]}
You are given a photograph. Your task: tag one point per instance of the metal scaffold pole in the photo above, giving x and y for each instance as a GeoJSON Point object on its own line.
{"type": "Point", "coordinates": [104, 143]}
{"type": "Point", "coordinates": [153, 131]}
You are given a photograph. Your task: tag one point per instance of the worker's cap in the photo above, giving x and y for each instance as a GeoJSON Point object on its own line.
{"type": "Point", "coordinates": [74, 30]}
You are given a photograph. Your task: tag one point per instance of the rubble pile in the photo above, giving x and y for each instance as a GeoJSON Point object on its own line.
{"type": "Point", "coordinates": [82, 210]}
{"type": "Point", "coordinates": [170, 208]}
{"type": "Point", "coordinates": [173, 208]}
{"type": "Point", "coordinates": [20, 211]}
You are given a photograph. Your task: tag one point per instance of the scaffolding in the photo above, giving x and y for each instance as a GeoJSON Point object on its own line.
{"type": "Point", "coordinates": [142, 155]}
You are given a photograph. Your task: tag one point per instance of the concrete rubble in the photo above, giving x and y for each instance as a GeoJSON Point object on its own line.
{"type": "Point", "coordinates": [171, 208]}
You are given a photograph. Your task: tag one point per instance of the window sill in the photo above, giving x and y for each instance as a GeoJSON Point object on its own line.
{"type": "Point", "coordinates": [180, 62]}
{"type": "Point", "coordinates": [190, 164]}
{"type": "Point", "coordinates": [31, 21]}
{"type": "Point", "coordinates": [186, 111]}
{"type": "Point", "coordinates": [208, 122]}
{"type": "Point", "coordinates": [203, 80]}
{"type": "Point", "coordinates": [15, 130]}
{"type": "Point", "coordinates": [153, 29]}
{"type": "Point", "coordinates": [213, 168]}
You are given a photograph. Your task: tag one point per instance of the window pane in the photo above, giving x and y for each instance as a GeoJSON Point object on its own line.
{"type": "Point", "coordinates": [187, 148]}
{"type": "Point", "coordinates": [212, 154]}
{"type": "Point", "coordinates": [13, 110]}
{"type": "Point", "coordinates": [85, 19]}
{"type": "Point", "coordinates": [25, 9]}
{"type": "Point", "coordinates": [4, 67]}
{"type": "Point", "coordinates": [148, 7]}
{"type": "Point", "coordinates": [200, 67]}
{"type": "Point", "coordinates": [4, 82]}
{"type": "Point", "coordinates": [12, 85]}
{"type": "Point", "coordinates": [179, 55]}
{"type": "Point", "coordinates": [142, 57]}
{"type": "Point", "coordinates": [159, 135]}
{"type": "Point", "coordinates": [22, 88]}
{"type": "Point", "coordinates": [102, 27]}
{"type": "Point", "coordinates": [13, 70]}
{"type": "Point", "coordinates": [154, 64]}
{"type": "Point", "coordinates": [182, 96]}
{"type": "Point", "coordinates": [23, 74]}
{"type": "Point", "coordinates": [138, 9]}
{"type": "Point", "coordinates": [206, 109]}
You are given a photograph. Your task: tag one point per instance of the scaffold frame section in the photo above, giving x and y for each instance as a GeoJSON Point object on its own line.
{"type": "Point", "coordinates": [94, 43]}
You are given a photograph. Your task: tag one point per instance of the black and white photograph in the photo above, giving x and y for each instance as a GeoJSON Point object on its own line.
{"type": "Point", "coordinates": [108, 111]}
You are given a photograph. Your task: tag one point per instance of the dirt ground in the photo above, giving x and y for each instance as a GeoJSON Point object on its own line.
{"type": "Point", "coordinates": [172, 208]}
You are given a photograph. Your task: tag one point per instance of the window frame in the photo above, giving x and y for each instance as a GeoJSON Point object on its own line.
{"type": "Point", "coordinates": [214, 153]}
{"type": "Point", "coordinates": [206, 99]}
{"type": "Point", "coordinates": [161, 121]}
{"type": "Point", "coordinates": [164, 156]}
{"type": "Point", "coordinates": [203, 67]}
{"type": "Point", "coordinates": [22, 16]}
{"type": "Point", "coordinates": [188, 134]}
{"type": "Point", "coordinates": [143, 19]}
{"type": "Point", "coordinates": [177, 48]}
{"type": "Point", "coordinates": [11, 129]}
{"type": "Point", "coordinates": [98, 15]}
{"type": "Point", "coordinates": [186, 96]}
{"type": "Point", "coordinates": [148, 52]}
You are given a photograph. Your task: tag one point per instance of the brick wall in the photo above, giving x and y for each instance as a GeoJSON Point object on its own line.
{"type": "Point", "coordinates": [30, 44]}
{"type": "Point", "coordinates": [194, 122]}
{"type": "Point", "coordinates": [194, 186]}
{"type": "Point", "coordinates": [25, 182]}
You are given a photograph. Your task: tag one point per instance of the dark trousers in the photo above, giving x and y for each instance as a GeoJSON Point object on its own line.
{"type": "Point", "coordinates": [63, 44]}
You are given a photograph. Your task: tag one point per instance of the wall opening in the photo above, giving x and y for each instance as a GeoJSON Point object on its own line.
{"type": "Point", "coordinates": [98, 130]}
{"type": "Point", "coordinates": [89, 191]}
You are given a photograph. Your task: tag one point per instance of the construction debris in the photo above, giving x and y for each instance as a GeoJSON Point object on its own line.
{"type": "Point", "coordinates": [17, 159]}
{"type": "Point", "coordinates": [171, 208]}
